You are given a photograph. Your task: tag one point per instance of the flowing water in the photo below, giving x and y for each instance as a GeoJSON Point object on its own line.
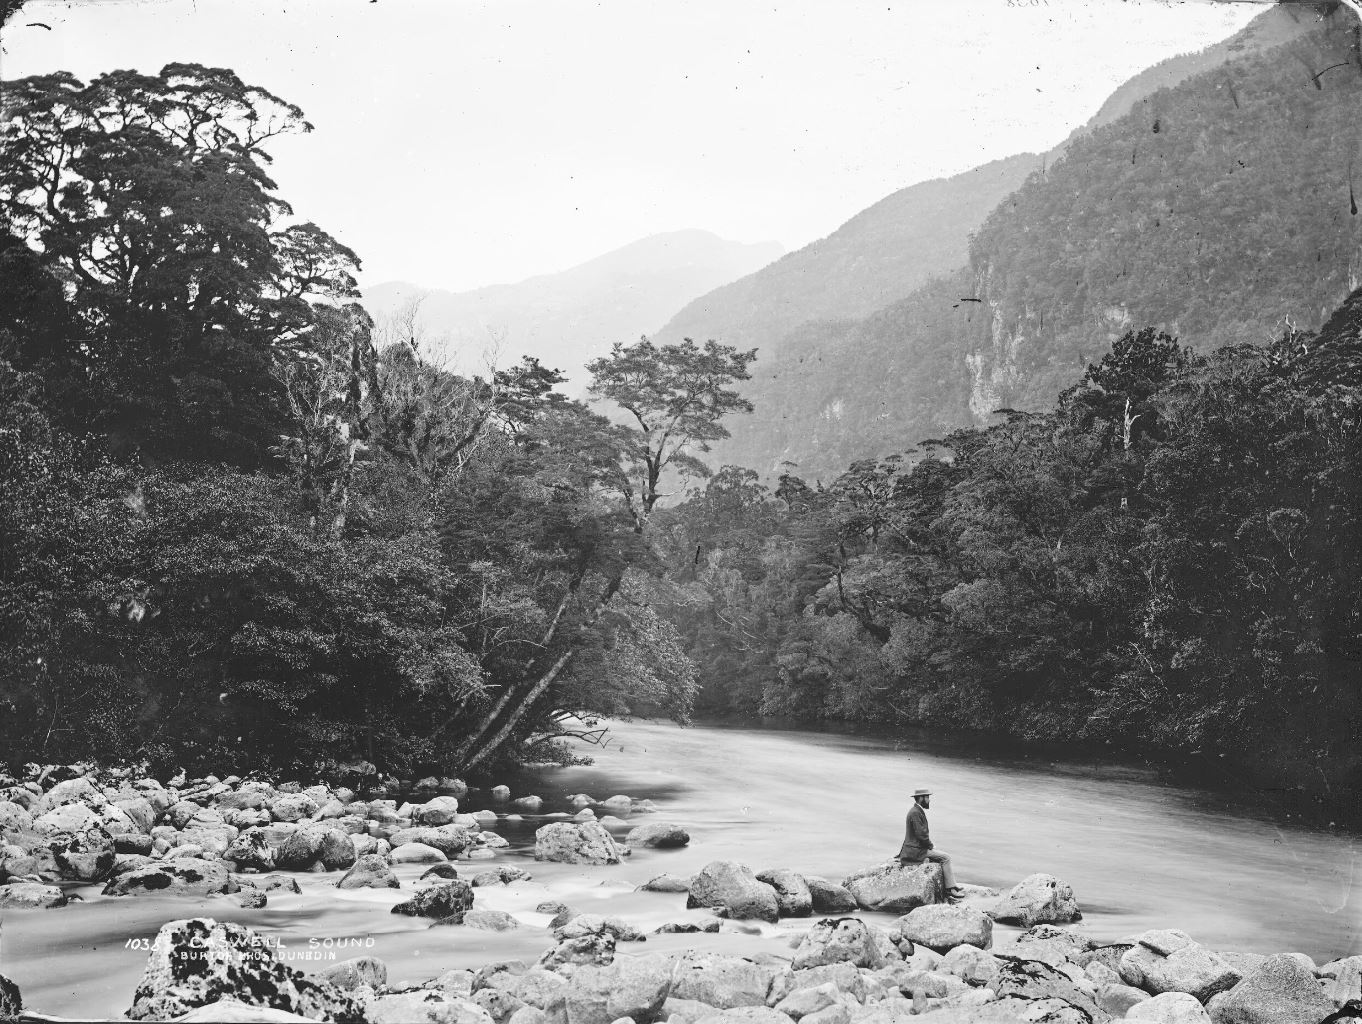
{"type": "Point", "coordinates": [1139, 853]}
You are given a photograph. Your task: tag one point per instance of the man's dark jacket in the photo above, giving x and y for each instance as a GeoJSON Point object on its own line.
{"type": "Point", "coordinates": [916, 839]}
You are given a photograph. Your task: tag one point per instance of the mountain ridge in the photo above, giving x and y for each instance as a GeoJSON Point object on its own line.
{"type": "Point", "coordinates": [565, 318]}
{"type": "Point", "coordinates": [868, 396]}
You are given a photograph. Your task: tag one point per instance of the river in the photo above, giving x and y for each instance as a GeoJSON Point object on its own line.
{"type": "Point", "coordinates": [1139, 853]}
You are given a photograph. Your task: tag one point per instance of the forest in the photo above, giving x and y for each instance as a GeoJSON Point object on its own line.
{"type": "Point", "coordinates": [1166, 563]}
{"type": "Point", "coordinates": [243, 526]}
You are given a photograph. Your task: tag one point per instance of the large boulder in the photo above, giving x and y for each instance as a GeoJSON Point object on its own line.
{"type": "Point", "coordinates": [181, 813]}
{"type": "Point", "coordinates": [536, 987]}
{"type": "Point", "coordinates": [252, 799]}
{"type": "Point", "coordinates": [731, 886]}
{"type": "Point", "coordinates": [199, 961]}
{"type": "Point", "coordinates": [451, 840]}
{"type": "Point", "coordinates": [213, 839]}
{"type": "Point", "coordinates": [131, 843]}
{"type": "Point", "coordinates": [635, 988]}
{"type": "Point", "coordinates": [447, 902]}
{"type": "Point", "coordinates": [575, 842]}
{"type": "Point", "coordinates": [848, 978]}
{"type": "Point", "coordinates": [1342, 979]}
{"type": "Point", "coordinates": [369, 872]}
{"type": "Point", "coordinates": [1118, 999]}
{"type": "Point", "coordinates": [1037, 899]}
{"type": "Point", "coordinates": [316, 845]}
{"type": "Point", "coordinates": [114, 819]}
{"type": "Point", "coordinates": [442, 810]}
{"type": "Point", "coordinates": [246, 819]}
{"type": "Point", "coordinates": [31, 894]}
{"type": "Point", "coordinates": [417, 853]}
{"type": "Point", "coordinates": [72, 791]}
{"type": "Point", "coordinates": [14, 817]}
{"type": "Point", "coordinates": [11, 1002]}
{"type": "Point", "coordinates": [1054, 945]}
{"type": "Point", "coordinates": [490, 920]}
{"type": "Point", "coordinates": [943, 927]}
{"type": "Point", "coordinates": [425, 1006]}
{"type": "Point", "coordinates": [504, 875]}
{"type": "Point", "coordinates": [723, 982]}
{"type": "Point", "coordinates": [250, 851]}
{"type": "Point", "coordinates": [184, 876]}
{"type": "Point", "coordinates": [1281, 991]}
{"type": "Point", "coordinates": [836, 940]}
{"type": "Point", "coordinates": [829, 897]}
{"type": "Point", "coordinates": [1169, 1008]}
{"type": "Point", "coordinates": [596, 949]}
{"type": "Point", "coordinates": [896, 888]}
{"type": "Point", "coordinates": [666, 883]}
{"type": "Point", "coordinates": [793, 898]}
{"type": "Point", "coordinates": [1036, 980]}
{"type": "Point", "coordinates": [1169, 961]}
{"type": "Point", "coordinates": [595, 924]}
{"type": "Point", "coordinates": [138, 809]}
{"type": "Point", "coordinates": [85, 856]}
{"type": "Point", "coordinates": [804, 1002]}
{"type": "Point", "coordinates": [972, 965]}
{"type": "Point", "coordinates": [292, 807]}
{"type": "Point", "coordinates": [660, 835]}
{"type": "Point", "coordinates": [348, 975]}
{"type": "Point", "coordinates": [67, 818]}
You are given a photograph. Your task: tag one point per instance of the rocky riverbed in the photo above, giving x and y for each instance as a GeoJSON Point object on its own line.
{"type": "Point", "coordinates": [769, 946]}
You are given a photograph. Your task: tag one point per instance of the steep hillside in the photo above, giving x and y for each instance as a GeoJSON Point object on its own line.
{"type": "Point", "coordinates": [885, 252]}
{"type": "Point", "coordinates": [838, 391]}
{"type": "Point", "coordinates": [1270, 29]}
{"type": "Point", "coordinates": [876, 258]}
{"type": "Point", "coordinates": [567, 318]}
{"type": "Point", "coordinates": [1217, 209]}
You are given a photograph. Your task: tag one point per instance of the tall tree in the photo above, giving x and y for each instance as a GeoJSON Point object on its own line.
{"type": "Point", "coordinates": [677, 395]}
{"type": "Point", "coordinates": [147, 197]}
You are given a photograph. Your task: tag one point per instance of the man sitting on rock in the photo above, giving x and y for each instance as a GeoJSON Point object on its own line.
{"type": "Point", "coordinates": [917, 844]}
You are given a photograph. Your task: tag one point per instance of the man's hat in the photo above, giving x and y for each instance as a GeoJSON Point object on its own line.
{"type": "Point", "coordinates": [922, 792]}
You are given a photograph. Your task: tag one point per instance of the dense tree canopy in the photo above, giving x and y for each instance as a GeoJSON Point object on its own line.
{"type": "Point", "coordinates": [1168, 560]}
{"type": "Point", "coordinates": [234, 528]}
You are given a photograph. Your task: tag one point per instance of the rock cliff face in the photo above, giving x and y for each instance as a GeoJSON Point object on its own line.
{"type": "Point", "coordinates": [876, 258]}
{"type": "Point", "coordinates": [1178, 215]}
{"type": "Point", "coordinates": [1210, 197]}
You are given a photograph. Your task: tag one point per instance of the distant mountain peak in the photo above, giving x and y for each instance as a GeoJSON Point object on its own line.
{"type": "Point", "coordinates": [569, 317]}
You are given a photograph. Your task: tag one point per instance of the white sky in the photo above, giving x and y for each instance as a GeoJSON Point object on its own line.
{"type": "Point", "coordinates": [463, 143]}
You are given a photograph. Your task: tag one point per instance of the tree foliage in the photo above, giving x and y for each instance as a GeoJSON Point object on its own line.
{"type": "Point", "coordinates": [677, 396]}
{"type": "Point", "coordinates": [236, 530]}
{"type": "Point", "coordinates": [1167, 560]}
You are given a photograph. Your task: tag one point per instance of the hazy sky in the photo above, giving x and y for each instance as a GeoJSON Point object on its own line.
{"type": "Point", "coordinates": [463, 143]}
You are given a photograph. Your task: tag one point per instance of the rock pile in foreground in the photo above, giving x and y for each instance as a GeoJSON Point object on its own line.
{"type": "Point", "coordinates": [844, 970]}
{"type": "Point", "coordinates": [239, 838]}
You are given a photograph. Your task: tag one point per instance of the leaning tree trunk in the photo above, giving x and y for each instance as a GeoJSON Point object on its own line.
{"type": "Point", "coordinates": [520, 698]}
{"type": "Point", "coordinates": [513, 719]}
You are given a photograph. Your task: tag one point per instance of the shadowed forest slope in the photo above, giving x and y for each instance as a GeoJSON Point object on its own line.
{"type": "Point", "coordinates": [1219, 209]}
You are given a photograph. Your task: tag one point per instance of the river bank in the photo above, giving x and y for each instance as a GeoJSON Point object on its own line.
{"type": "Point", "coordinates": [823, 805]}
